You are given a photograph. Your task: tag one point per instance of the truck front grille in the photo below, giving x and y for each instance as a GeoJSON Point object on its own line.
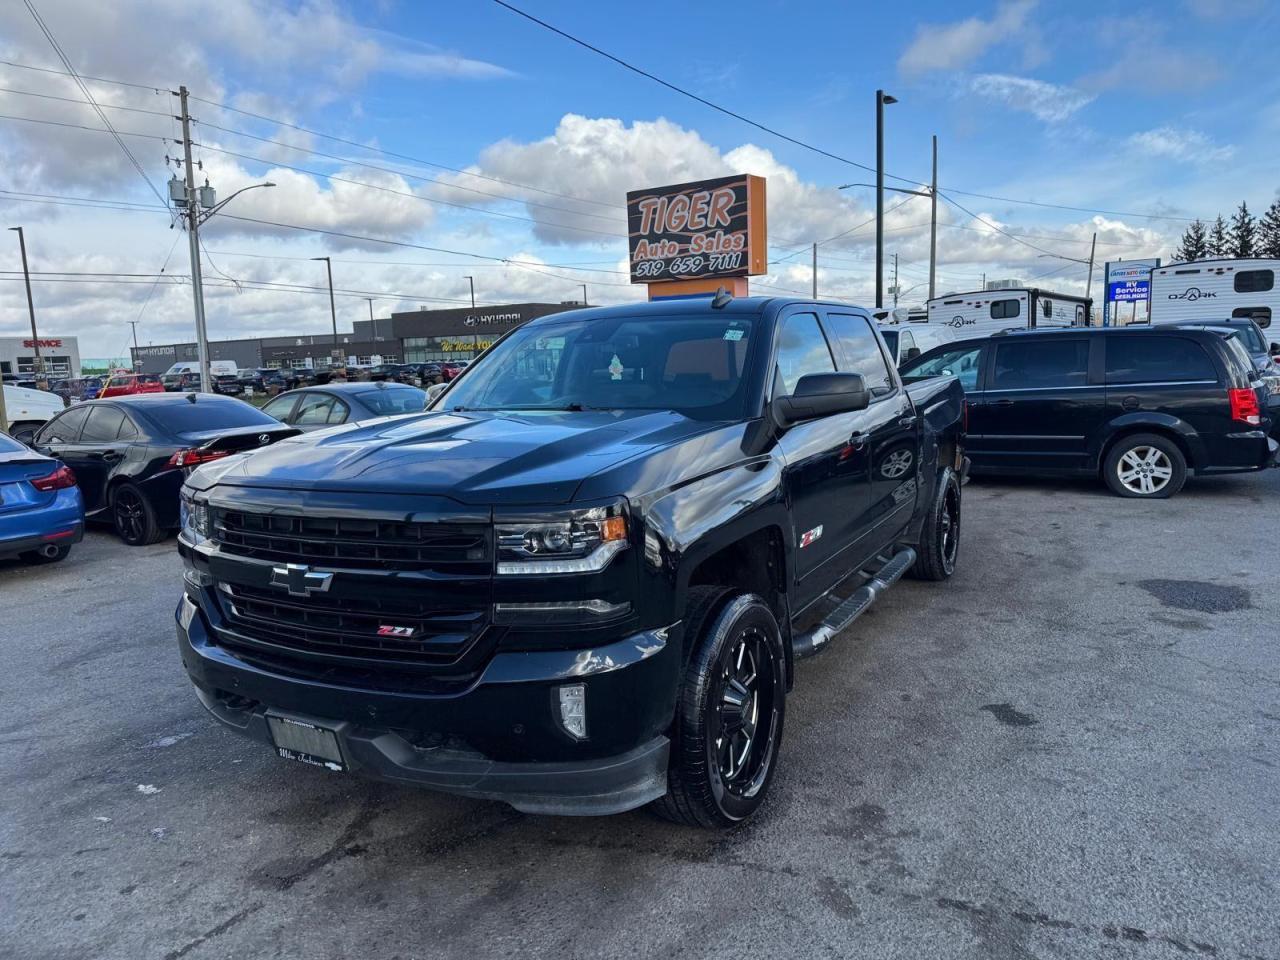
{"type": "Point", "coordinates": [448, 548]}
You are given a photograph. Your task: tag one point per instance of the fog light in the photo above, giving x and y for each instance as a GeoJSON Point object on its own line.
{"type": "Point", "coordinates": [573, 710]}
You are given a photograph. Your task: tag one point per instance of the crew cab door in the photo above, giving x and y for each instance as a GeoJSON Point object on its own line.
{"type": "Point", "coordinates": [1041, 405]}
{"type": "Point", "coordinates": [824, 473]}
{"type": "Point", "coordinates": [888, 429]}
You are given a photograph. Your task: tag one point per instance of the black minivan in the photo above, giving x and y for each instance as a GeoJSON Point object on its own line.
{"type": "Point", "coordinates": [1143, 407]}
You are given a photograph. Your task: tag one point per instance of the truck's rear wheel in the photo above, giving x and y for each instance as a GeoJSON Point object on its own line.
{"type": "Point", "coordinates": [939, 545]}
{"type": "Point", "coordinates": [729, 713]}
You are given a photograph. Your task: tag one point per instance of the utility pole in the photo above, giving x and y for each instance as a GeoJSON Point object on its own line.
{"type": "Point", "coordinates": [881, 99]}
{"type": "Point", "coordinates": [815, 271]}
{"type": "Point", "coordinates": [373, 324]}
{"type": "Point", "coordinates": [31, 307]}
{"type": "Point", "coordinates": [933, 220]}
{"type": "Point", "coordinates": [472, 281]}
{"type": "Point", "coordinates": [193, 241]}
{"type": "Point", "coordinates": [333, 311]}
{"type": "Point", "coordinates": [895, 281]}
{"type": "Point", "coordinates": [584, 294]}
{"type": "Point", "coordinates": [1088, 290]}
{"type": "Point", "coordinates": [984, 280]}
{"type": "Point", "coordinates": [134, 325]}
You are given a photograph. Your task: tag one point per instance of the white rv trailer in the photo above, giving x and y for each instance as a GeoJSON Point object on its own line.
{"type": "Point", "coordinates": [984, 312]}
{"type": "Point", "coordinates": [1216, 290]}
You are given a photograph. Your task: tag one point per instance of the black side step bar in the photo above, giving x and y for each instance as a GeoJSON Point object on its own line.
{"type": "Point", "coordinates": [807, 644]}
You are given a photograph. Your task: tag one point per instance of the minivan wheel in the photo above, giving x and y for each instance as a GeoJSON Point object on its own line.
{"type": "Point", "coordinates": [1145, 466]}
{"type": "Point", "coordinates": [939, 545]}
{"type": "Point", "coordinates": [133, 517]}
{"type": "Point", "coordinates": [729, 712]}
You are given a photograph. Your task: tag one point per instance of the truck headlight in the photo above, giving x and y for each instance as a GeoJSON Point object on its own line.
{"type": "Point", "coordinates": [577, 541]}
{"type": "Point", "coordinates": [194, 517]}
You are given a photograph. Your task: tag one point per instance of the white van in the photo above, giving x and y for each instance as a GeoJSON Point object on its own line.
{"type": "Point", "coordinates": [1216, 290]}
{"type": "Point", "coordinates": [984, 312]}
{"type": "Point", "coordinates": [217, 368]}
{"type": "Point", "coordinates": [28, 410]}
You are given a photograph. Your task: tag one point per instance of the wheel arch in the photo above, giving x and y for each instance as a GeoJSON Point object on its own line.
{"type": "Point", "coordinates": [1170, 428]}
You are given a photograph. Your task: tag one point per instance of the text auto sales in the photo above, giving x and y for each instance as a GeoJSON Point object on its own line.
{"type": "Point", "coordinates": [702, 210]}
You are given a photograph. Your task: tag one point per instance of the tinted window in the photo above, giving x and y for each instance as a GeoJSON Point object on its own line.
{"type": "Point", "coordinates": [1144, 359]}
{"type": "Point", "coordinates": [392, 400]}
{"type": "Point", "coordinates": [1259, 315]}
{"type": "Point", "coordinates": [1004, 309]}
{"type": "Point", "coordinates": [103, 425]}
{"type": "Point", "coordinates": [802, 350]}
{"type": "Point", "coordinates": [961, 362]}
{"type": "Point", "coordinates": [1255, 281]}
{"type": "Point", "coordinates": [339, 412]}
{"type": "Point", "coordinates": [280, 407]}
{"type": "Point", "coordinates": [1047, 362]}
{"type": "Point", "coordinates": [862, 354]}
{"type": "Point", "coordinates": [314, 409]}
{"type": "Point", "coordinates": [1248, 336]}
{"type": "Point", "coordinates": [207, 413]}
{"type": "Point", "coordinates": [890, 340]}
{"type": "Point", "coordinates": [65, 427]}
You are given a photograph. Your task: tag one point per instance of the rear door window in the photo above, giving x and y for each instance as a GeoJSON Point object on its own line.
{"type": "Point", "coordinates": [1044, 363]}
{"type": "Point", "coordinates": [861, 351]}
{"type": "Point", "coordinates": [314, 410]}
{"type": "Point", "coordinates": [103, 425]}
{"type": "Point", "coordinates": [280, 408]}
{"type": "Point", "coordinates": [1157, 359]}
{"type": "Point", "coordinates": [802, 350]}
{"type": "Point", "coordinates": [962, 363]}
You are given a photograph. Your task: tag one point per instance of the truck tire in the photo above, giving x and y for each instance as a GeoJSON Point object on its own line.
{"type": "Point", "coordinates": [134, 518]}
{"type": "Point", "coordinates": [729, 711]}
{"type": "Point", "coordinates": [1146, 466]}
{"type": "Point", "coordinates": [939, 545]}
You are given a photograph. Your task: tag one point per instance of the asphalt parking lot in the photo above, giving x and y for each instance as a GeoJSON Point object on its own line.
{"type": "Point", "coordinates": [1067, 751]}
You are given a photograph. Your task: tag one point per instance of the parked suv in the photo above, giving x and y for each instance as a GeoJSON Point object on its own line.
{"type": "Point", "coordinates": [1144, 408]}
{"type": "Point", "coordinates": [581, 585]}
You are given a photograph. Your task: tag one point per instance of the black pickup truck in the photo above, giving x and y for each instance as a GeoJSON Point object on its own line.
{"type": "Point", "coordinates": [580, 582]}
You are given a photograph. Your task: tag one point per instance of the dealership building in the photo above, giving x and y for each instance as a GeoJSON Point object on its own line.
{"type": "Point", "coordinates": [409, 337]}
{"type": "Point", "coordinates": [61, 356]}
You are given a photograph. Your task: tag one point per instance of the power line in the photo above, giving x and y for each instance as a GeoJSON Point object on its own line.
{"type": "Point", "coordinates": [408, 194]}
{"type": "Point", "coordinates": [81, 126]}
{"type": "Point", "coordinates": [62, 73]}
{"type": "Point", "coordinates": [107, 106]}
{"type": "Point", "coordinates": [998, 230]}
{"type": "Point", "coordinates": [66, 62]}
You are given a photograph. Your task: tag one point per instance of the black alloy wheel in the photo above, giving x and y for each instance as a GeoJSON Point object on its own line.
{"type": "Point", "coordinates": [729, 715]}
{"type": "Point", "coordinates": [939, 545]}
{"type": "Point", "coordinates": [133, 517]}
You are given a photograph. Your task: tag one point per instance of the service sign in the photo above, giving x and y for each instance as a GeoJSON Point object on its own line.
{"type": "Point", "coordinates": [712, 228]}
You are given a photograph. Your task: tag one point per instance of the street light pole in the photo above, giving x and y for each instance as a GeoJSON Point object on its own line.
{"type": "Point", "coordinates": [882, 98]}
{"type": "Point", "coordinates": [472, 281]}
{"type": "Point", "coordinates": [333, 311]}
{"type": "Point", "coordinates": [31, 307]}
{"type": "Point", "coordinates": [584, 294]}
{"type": "Point", "coordinates": [933, 221]}
{"type": "Point", "coordinates": [134, 325]}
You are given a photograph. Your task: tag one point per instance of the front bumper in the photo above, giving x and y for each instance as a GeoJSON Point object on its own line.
{"type": "Point", "coordinates": [498, 739]}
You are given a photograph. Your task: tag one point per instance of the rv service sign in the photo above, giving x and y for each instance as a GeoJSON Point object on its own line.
{"type": "Point", "coordinates": [711, 228]}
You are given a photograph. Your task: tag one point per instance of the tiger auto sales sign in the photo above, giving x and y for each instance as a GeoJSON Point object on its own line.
{"type": "Point", "coordinates": [712, 228]}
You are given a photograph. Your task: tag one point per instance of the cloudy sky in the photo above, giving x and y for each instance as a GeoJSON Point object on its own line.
{"type": "Point", "coordinates": [432, 141]}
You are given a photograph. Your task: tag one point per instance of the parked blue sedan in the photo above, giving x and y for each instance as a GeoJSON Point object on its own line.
{"type": "Point", "coordinates": [41, 513]}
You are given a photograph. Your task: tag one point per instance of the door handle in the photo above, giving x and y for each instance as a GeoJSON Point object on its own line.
{"type": "Point", "coordinates": [111, 456]}
{"type": "Point", "coordinates": [858, 440]}
{"type": "Point", "coordinates": [1002, 403]}
{"type": "Point", "coordinates": [908, 421]}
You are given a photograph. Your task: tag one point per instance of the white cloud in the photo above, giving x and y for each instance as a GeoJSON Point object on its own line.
{"type": "Point", "coordinates": [1050, 102]}
{"type": "Point", "coordinates": [953, 46]}
{"type": "Point", "coordinates": [1183, 145]}
{"type": "Point", "coordinates": [1154, 68]}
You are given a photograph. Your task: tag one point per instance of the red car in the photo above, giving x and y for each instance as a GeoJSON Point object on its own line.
{"type": "Point", "coordinates": [450, 369]}
{"type": "Point", "coordinates": [128, 385]}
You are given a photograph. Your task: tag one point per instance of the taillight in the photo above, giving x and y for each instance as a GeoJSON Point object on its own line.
{"type": "Point", "coordinates": [192, 458]}
{"type": "Point", "coordinates": [1244, 405]}
{"type": "Point", "coordinates": [60, 479]}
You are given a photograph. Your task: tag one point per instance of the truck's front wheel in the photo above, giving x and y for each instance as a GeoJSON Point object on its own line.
{"type": "Point", "coordinates": [939, 545]}
{"type": "Point", "coordinates": [729, 714]}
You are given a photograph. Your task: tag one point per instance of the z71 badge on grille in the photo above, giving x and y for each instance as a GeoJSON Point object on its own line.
{"type": "Point", "coordinates": [403, 633]}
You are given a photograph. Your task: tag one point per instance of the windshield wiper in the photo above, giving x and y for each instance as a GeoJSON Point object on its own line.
{"type": "Point", "coordinates": [560, 408]}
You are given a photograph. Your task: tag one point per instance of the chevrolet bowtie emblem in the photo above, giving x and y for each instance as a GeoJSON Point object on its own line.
{"type": "Point", "coordinates": [300, 580]}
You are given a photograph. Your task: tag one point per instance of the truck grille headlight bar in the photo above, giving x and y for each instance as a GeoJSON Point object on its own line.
{"type": "Point", "coordinates": [552, 612]}
{"type": "Point", "coordinates": [576, 541]}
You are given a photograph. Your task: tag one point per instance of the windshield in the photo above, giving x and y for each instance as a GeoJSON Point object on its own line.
{"type": "Point", "coordinates": [393, 400]}
{"type": "Point", "coordinates": [693, 365]}
{"type": "Point", "coordinates": [203, 415]}
{"type": "Point", "coordinates": [1250, 337]}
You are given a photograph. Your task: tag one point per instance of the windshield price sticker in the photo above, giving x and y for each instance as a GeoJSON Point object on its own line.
{"type": "Point", "coordinates": [712, 228]}
{"type": "Point", "coordinates": [733, 334]}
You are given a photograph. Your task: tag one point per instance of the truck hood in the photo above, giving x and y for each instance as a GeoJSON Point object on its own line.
{"type": "Point", "coordinates": [473, 457]}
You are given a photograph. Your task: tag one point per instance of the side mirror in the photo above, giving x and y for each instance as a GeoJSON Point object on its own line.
{"type": "Point", "coordinates": [1275, 349]}
{"type": "Point", "coordinates": [911, 354]}
{"type": "Point", "coordinates": [823, 395]}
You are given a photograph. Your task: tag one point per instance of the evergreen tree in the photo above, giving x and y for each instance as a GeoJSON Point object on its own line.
{"type": "Point", "coordinates": [1269, 232]}
{"type": "Point", "coordinates": [1219, 245]}
{"type": "Point", "coordinates": [1195, 245]}
{"type": "Point", "coordinates": [1244, 233]}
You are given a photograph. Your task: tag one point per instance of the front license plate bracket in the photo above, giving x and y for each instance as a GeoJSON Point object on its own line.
{"type": "Point", "coordinates": [306, 742]}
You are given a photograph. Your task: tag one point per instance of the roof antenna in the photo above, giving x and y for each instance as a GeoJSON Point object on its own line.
{"type": "Point", "coordinates": [721, 300]}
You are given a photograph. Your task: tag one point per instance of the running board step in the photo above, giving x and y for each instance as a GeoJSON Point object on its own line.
{"type": "Point", "coordinates": [807, 644]}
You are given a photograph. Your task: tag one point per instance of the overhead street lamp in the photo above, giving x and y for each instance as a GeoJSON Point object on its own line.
{"type": "Point", "coordinates": [882, 98]}
{"type": "Point", "coordinates": [333, 312]}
